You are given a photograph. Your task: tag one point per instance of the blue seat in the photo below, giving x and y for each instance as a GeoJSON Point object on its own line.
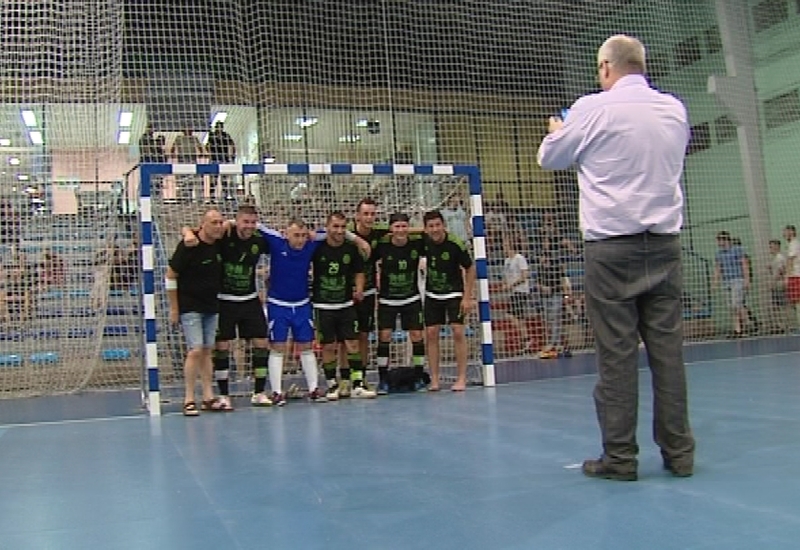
{"type": "Point", "coordinates": [52, 295]}
{"type": "Point", "coordinates": [116, 354]}
{"type": "Point", "coordinates": [80, 293]}
{"type": "Point", "coordinates": [45, 334]}
{"type": "Point", "coordinates": [82, 312]}
{"type": "Point", "coordinates": [10, 360]}
{"type": "Point", "coordinates": [115, 330]}
{"type": "Point", "coordinates": [44, 358]}
{"type": "Point", "coordinates": [50, 313]}
{"type": "Point", "coordinates": [399, 336]}
{"type": "Point", "coordinates": [80, 333]}
{"type": "Point", "coordinates": [11, 336]}
{"type": "Point", "coordinates": [118, 311]}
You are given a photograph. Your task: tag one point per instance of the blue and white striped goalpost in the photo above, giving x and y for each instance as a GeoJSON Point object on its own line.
{"type": "Point", "coordinates": [147, 171]}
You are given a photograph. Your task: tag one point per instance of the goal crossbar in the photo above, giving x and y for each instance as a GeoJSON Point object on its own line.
{"type": "Point", "coordinates": [146, 172]}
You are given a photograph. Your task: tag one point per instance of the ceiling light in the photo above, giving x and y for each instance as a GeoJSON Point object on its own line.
{"type": "Point", "coordinates": [362, 123]}
{"type": "Point", "coordinates": [293, 137]}
{"type": "Point", "coordinates": [5, 142]}
{"type": "Point", "coordinates": [125, 119]}
{"type": "Point", "coordinates": [219, 117]}
{"type": "Point", "coordinates": [22, 177]}
{"type": "Point", "coordinates": [29, 118]}
{"type": "Point", "coordinates": [350, 139]}
{"type": "Point", "coordinates": [13, 161]}
{"type": "Point", "coordinates": [36, 137]}
{"type": "Point", "coordinates": [124, 137]}
{"type": "Point", "coordinates": [306, 121]}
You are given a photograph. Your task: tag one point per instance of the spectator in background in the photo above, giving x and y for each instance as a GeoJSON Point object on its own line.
{"type": "Point", "coordinates": [792, 268]}
{"type": "Point", "coordinates": [187, 149]}
{"type": "Point", "coordinates": [552, 285]}
{"type": "Point", "coordinates": [53, 271]}
{"type": "Point", "coordinates": [222, 150]}
{"type": "Point", "coordinates": [18, 293]}
{"type": "Point", "coordinates": [780, 312]}
{"type": "Point", "coordinates": [516, 282]}
{"type": "Point", "coordinates": [456, 218]}
{"type": "Point", "coordinates": [10, 226]}
{"type": "Point", "coordinates": [151, 150]}
{"type": "Point", "coordinates": [733, 273]}
{"type": "Point", "coordinates": [752, 320]}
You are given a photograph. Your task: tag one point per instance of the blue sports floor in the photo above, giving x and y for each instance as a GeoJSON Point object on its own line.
{"type": "Point", "coordinates": [484, 469]}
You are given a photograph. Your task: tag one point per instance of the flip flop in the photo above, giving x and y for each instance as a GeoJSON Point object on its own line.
{"type": "Point", "coordinates": [190, 409]}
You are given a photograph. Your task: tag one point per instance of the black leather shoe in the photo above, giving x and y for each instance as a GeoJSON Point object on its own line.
{"type": "Point", "coordinates": [678, 470]}
{"type": "Point", "coordinates": [598, 468]}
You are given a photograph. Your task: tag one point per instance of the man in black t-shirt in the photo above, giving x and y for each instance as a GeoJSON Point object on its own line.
{"type": "Point", "coordinates": [338, 283]}
{"type": "Point", "coordinates": [399, 255]}
{"type": "Point", "coordinates": [551, 284]}
{"type": "Point", "coordinates": [449, 286]}
{"type": "Point", "coordinates": [193, 280]}
{"type": "Point", "coordinates": [365, 227]}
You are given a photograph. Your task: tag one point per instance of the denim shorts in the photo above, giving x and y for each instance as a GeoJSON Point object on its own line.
{"type": "Point", "coordinates": [199, 329]}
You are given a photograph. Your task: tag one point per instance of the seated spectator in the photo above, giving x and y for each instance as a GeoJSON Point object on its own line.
{"type": "Point", "coordinates": [18, 291]}
{"type": "Point", "coordinates": [53, 271]}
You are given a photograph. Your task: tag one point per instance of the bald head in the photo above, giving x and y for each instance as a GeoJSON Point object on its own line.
{"type": "Point", "coordinates": [619, 56]}
{"type": "Point", "coordinates": [211, 227]}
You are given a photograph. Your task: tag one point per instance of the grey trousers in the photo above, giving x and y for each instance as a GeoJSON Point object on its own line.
{"type": "Point", "coordinates": [634, 287]}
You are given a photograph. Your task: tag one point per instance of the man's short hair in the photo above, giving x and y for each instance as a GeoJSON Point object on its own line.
{"type": "Point", "coordinates": [626, 53]}
{"type": "Point", "coordinates": [366, 201]}
{"type": "Point", "coordinates": [295, 220]}
{"type": "Point", "coordinates": [431, 215]}
{"type": "Point", "coordinates": [723, 236]}
{"type": "Point", "coordinates": [776, 242]}
{"type": "Point", "coordinates": [247, 209]}
{"type": "Point", "coordinates": [792, 228]}
{"type": "Point", "coordinates": [398, 217]}
{"type": "Point", "coordinates": [335, 215]}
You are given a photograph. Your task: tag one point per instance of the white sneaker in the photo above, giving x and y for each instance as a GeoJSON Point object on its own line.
{"type": "Point", "coordinates": [333, 393]}
{"type": "Point", "coordinates": [260, 400]}
{"type": "Point", "coordinates": [360, 392]}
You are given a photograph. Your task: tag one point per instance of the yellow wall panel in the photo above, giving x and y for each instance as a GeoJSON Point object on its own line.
{"type": "Point", "coordinates": [456, 139]}
{"type": "Point", "coordinates": [495, 137]}
{"type": "Point", "coordinates": [530, 133]}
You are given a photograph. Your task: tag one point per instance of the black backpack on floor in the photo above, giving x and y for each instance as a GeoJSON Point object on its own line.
{"type": "Point", "coordinates": [402, 379]}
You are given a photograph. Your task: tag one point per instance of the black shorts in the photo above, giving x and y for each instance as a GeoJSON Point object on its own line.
{"type": "Point", "coordinates": [410, 316]}
{"type": "Point", "coordinates": [336, 325]}
{"type": "Point", "coordinates": [248, 317]}
{"type": "Point", "coordinates": [519, 305]}
{"type": "Point", "coordinates": [443, 312]}
{"type": "Point", "coordinates": [365, 310]}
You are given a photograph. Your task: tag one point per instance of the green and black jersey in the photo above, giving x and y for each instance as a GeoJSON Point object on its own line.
{"type": "Point", "coordinates": [399, 270]}
{"type": "Point", "coordinates": [334, 274]}
{"type": "Point", "coordinates": [239, 260]}
{"type": "Point", "coordinates": [374, 237]}
{"type": "Point", "coordinates": [444, 278]}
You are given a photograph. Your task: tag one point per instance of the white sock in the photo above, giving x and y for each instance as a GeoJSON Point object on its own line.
{"type": "Point", "coordinates": [275, 365]}
{"type": "Point", "coordinates": [309, 362]}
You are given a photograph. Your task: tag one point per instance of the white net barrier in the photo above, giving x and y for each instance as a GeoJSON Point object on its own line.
{"type": "Point", "coordinates": [311, 198]}
{"type": "Point", "coordinates": [93, 87]}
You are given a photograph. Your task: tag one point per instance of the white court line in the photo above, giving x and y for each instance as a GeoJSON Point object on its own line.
{"type": "Point", "coordinates": [75, 421]}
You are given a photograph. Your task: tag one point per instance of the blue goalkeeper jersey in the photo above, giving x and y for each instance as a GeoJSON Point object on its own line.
{"type": "Point", "coordinates": [289, 268]}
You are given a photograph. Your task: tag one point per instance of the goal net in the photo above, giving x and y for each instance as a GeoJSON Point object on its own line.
{"type": "Point", "coordinates": [91, 89]}
{"type": "Point", "coordinates": [311, 197]}
{"type": "Point", "coordinates": [68, 301]}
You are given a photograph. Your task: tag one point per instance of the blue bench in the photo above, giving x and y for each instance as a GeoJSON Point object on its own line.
{"type": "Point", "coordinates": [116, 354]}
{"type": "Point", "coordinates": [10, 360]}
{"type": "Point", "coordinates": [44, 358]}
